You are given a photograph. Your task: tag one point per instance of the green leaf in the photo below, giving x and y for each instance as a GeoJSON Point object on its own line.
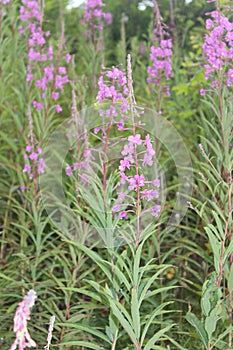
{"type": "Point", "coordinates": [120, 275]}
{"type": "Point", "coordinates": [150, 281]}
{"type": "Point", "coordinates": [211, 321]}
{"type": "Point", "coordinates": [135, 313]}
{"type": "Point", "coordinates": [178, 346]}
{"type": "Point", "coordinates": [219, 223]}
{"type": "Point", "coordinates": [157, 312]}
{"type": "Point", "coordinates": [157, 336]}
{"type": "Point", "coordinates": [195, 322]}
{"type": "Point", "coordinates": [95, 257]}
{"type": "Point", "coordinates": [113, 328]}
{"type": "Point", "coordinates": [230, 280]}
{"type": "Point", "coordinates": [205, 303]}
{"type": "Point", "coordinates": [222, 336]}
{"type": "Point", "coordinates": [228, 251]}
{"type": "Point", "coordinates": [86, 329]}
{"type": "Point", "coordinates": [216, 247]}
{"type": "Point", "coordinates": [136, 265]}
{"type": "Point", "coordinates": [125, 324]}
{"type": "Point", "coordinates": [83, 343]}
{"type": "Point", "coordinates": [6, 277]}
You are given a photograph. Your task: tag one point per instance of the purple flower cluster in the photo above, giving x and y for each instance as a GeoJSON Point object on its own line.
{"type": "Point", "coordinates": [95, 16]}
{"type": "Point", "coordinates": [34, 161]}
{"type": "Point", "coordinates": [22, 315]}
{"type": "Point", "coordinates": [52, 77]}
{"type": "Point", "coordinates": [161, 63]}
{"type": "Point", "coordinates": [113, 89]}
{"type": "Point", "coordinates": [83, 164]}
{"type": "Point", "coordinates": [218, 48]}
{"type": "Point", "coordinates": [147, 190]}
{"type": "Point", "coordinates": [4, 2]}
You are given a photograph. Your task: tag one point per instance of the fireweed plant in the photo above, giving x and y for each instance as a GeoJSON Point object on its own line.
{"type": "Point", "coordinates": [119, 125]}
{"type": "Point", "coordinates": [160, 70]}
{"type": "Point", "coordinates": [22, 315]}
{"type": "Point", "coordinates": [131, 169]}
{"type": "Point", "coordinates": [94, 19]}
{"type": "Point", "coordinates": [128, 287]}
{"type": "Point", "coordinates": [48, 77]}
{"type": "Point", "coordinates": [216, 177]}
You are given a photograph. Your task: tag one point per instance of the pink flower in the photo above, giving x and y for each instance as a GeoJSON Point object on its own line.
{"type": "Point", "coordinates": [58, 108]}
{"type": "Point", "coordinates": [147, 159]}
{"type": "Point", "coordinates": [33, 156]}
{"type": "Point", "coordinates": [21, 29]}
{"type": "Point", "coordinates": [136, 181]}
{"type": "Point", "coordinates": [37, 105]}
{"type": "Point", "coordinates": [32, 14]}
{"type": "Point", "coordinates": [62, 70]}
{"type": "Point", "coordinates": [124, 164]}
{"type": "Point", "coordinates": [68, 57]}
{"type": "Point", "coordinates": [161, 61]}
{"type": "Point", "coordinates": [96, 130]}
{"type": "Point", "coordinates": [113, 88]}
{"type": "Point", "coordinates": [121, 196]}
{"type": "Point", "coordinates": [155, 210]}
{"type": "Point", "coordinates": [22, 315]}
{"type": "Point", "coordinates": [148, 145]}
{"type": "Point", "coordinates": [116, 208]}
{"type": "Point", "coordinates": [68, 170]}
{"type": "Point", "coordinates": [29, 77]}
{"type": "Point", "coordinates": [124, 178]}
{"type": "Point", "coordinates": [4, 2]}
{"type": "Point", "coordinates": [48, 71]}
{"type": "Point", "coordinates": [156, 183]}
{"type": "Point", "coordinates": [148, 156]}
{"type": "Point", "coordinates": [42, 83]}
{"type": "Point", "coordinates": [55, 96]}
{"type": "Point", "coordinates": [120, 125]}
{"type": "Point", "coordinates": [123, 215]}
{"type": "Point", "coordinates": [108, 17]}
{"type": "Point", "coordinates": [135, 139]}
{"type": "Point", "coordinates": [27, 168]}
{"type": "Point", "coordinates": [209, 24]}
{"type": "Point", "coordinates": [128, 149]}
{"type": "Point", "coordinates": [50, 52]}
{"type": "Point", "coordinates": [41, 166]}
{"type": "Point", "coordinates": [94, 13]}
{"type": "Point", "coordinates": [149, 194]}
{"type": "Point", "coordinates": [217, 48]}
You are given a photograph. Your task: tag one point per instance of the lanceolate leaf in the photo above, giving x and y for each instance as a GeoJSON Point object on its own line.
{"type": "Point", "coordinates": [86, 329]}
{"type": "Point", "coordinates": [195, 322]}
{"type": "Point", "coordinates": [123, 321]}
{"type": "Point", "coordinates": [85, 344]}
{"type": "Point", "coordinates": [150, 281]}
{"type": "Point", "coordinates": [157, 312]}
{"type": "Point", "coordinates": [230, 280]}
{"type": "Point", "coordinates": [135, 312]}
{"type": "Point", "coordinates": [156, 337]}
